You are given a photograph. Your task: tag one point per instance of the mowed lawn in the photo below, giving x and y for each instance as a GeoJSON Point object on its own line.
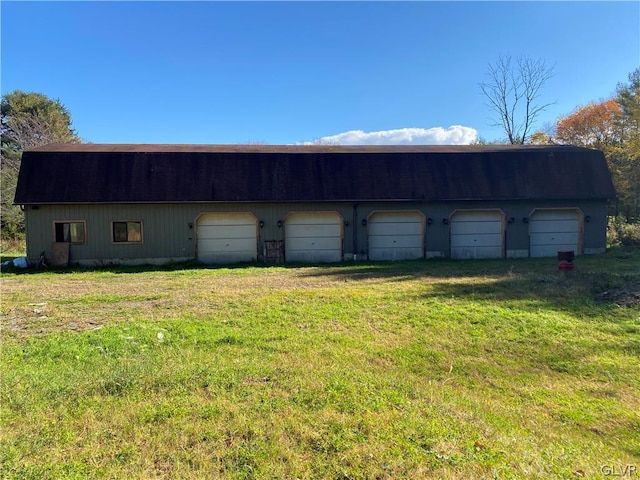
{"type": "Point", "coordinates": [426, 369]}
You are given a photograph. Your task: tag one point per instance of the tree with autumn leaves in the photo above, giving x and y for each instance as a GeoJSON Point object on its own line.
{"type": "Point", "coordinates": [625, 158]}
{"type": "Point", "coordinates": [612, 126]}
{"type": "Point", "coordinates": [595, 125]}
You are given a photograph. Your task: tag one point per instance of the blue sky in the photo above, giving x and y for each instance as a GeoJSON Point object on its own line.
{"type": "Point", "coordinates": [289, 72]}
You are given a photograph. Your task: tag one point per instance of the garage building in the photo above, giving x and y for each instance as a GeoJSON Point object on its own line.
{"type": "Point", "coordinates": [107, 204]}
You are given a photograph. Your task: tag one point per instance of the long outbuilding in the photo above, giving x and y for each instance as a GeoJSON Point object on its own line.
{"type": "Point", "coordinates": [135, 204]}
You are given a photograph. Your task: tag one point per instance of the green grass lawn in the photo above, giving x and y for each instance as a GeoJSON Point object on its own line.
{"type": "Point", "coordinates": [427, 369]}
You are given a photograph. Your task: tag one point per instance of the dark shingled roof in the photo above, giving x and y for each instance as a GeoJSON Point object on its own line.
{"type": "Point", "coordinates": [89, 173]}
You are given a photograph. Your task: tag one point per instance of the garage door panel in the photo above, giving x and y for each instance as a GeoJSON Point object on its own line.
{"type": "Point", "coordinates": [466, 227]}
{"type": "Point", "coordinates": [395, 253]}
{"type": "Point", "coordinates": [227, 245]}
{"type": "Point", "coordinates": [227, 237]}
{"type": "Point", "coordinates": [477, 234]}
{"type": "Point", "coordinates": [222, 218]}
{"type": "Point", "coordinates": [314, 256]}
{"type": "Point", "coordinates": [225, 219]}
{"type": "Point", "coordinates": [396, 235]}
{"type": "Point", "coordinates": [477, 216]}
{"type": "Point", "coordinates": [324, 243]}
{"type": "Point", "coordinates": [486, 240]}
{"type": "Point", "coordinates": [476, 252]}
{"type": "Point", "coordinates": [235, 231]}
{"type": "Point", "coordinates": [405, 241]}
{"type": "Point", "coordinates": [396, 216]}
{"type": "Point", "coordinates": [313, 237]}
{"type": "Point", "coordinates": [313, 218]}
{"type": "Point", "coordinates": [559, 219]}
{"type": "Point", "coordinates": [554, 226]}
{"type": "Point", "coordinates": [555, 215]}
{"type": "Point", "coordinates": [559, 238]}
{"type": "Point", "coordinates": [223, 257]}
{"type": "Point", "coordinates": [222, 222]}
{"type": "Point", "coordinates": [393, 229]}
{"type": "Point", "coordinates": [305, 231]}
{"type": "Point", "coordinates": [553, 231]}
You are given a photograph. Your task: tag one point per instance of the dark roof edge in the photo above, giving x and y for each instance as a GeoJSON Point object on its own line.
{"type": "Point", "coordinates": [389, 200]}
{"type": "Point", "coordinates": [299, 149]}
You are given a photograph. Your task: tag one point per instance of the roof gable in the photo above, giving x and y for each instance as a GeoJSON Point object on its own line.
{"type": "Point", "coordinates": [260, 173]}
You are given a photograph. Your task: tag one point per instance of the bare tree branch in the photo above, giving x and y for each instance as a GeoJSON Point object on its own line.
{"type": "Point", "coordinates": [512, 91]}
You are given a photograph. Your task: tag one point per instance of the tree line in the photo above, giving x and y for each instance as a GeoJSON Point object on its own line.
{"type": "Point", "coordinates": [612, 126]}
{"type": "Point", "coordinates": [29, 120]}
{"type": "Point", "coordinates": [513, 93]}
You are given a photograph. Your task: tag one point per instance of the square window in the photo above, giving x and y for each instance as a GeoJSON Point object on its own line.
{"type": "Point", "coordinates": [70, 232]}
{"type": "Point", "coordinates": [127, 232]}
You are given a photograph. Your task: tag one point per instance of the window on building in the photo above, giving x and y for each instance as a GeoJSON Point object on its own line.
{"type": "Point", "coordinates": [127, 232]}
{"type": "Point", "coordinates": [71, 232]}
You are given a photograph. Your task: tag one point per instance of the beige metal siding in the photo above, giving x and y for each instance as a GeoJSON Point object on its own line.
{"type": "Point", "coordinates": [166, 232]}
{"type": "Point", "coordinates": [170, 229]}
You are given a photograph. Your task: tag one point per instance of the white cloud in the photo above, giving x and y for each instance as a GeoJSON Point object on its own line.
{"type": "Point", "coordinates": [454, 135]}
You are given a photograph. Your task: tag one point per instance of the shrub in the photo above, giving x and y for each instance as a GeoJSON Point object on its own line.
{"type": "Point", "coordinates": [622, 233]}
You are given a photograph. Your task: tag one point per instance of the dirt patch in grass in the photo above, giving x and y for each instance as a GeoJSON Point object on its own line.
{"type": "Point", "coordinates": [626, 296]}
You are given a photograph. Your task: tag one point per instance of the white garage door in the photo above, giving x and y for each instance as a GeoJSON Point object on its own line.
{"type": "Point", "coordinates": [476, 234]}
{"type": "Point", "coordinates": [396, 235]}
{"type": "Point", "coordinates": [551, 231]}
{"type": "Point", "coordinates": [227, 237]}
{"type": "Point", "coordinates": [313, 237]}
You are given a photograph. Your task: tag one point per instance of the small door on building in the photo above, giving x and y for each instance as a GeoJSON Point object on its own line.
{"type": "Point", "coordinates": [551, 231]}
{"type": "Point", "coordinates": [227, 237]}
{"type": "Point", "coordinates": [477, 234]}
{"type": "Point", "coordinates": [313, 237]}
{"type": "Point", "coordinates": [396, 235]}
{"type": "Point", "coordinates": [274, 251]}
